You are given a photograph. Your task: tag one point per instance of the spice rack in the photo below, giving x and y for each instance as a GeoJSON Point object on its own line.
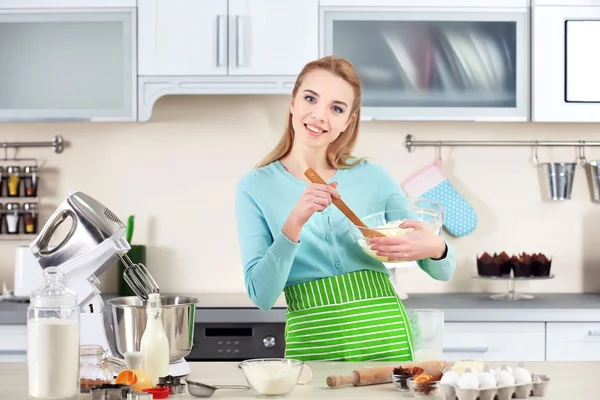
{"type": "Point", "coordinates": [19, 196]}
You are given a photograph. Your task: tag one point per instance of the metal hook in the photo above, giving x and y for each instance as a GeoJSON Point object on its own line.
{"type": "Point", "coordinates": [581, 153]}
{"type": "Point", "coordinates": [534, 157]}
{"type": "Point", "coordinates": [439, 151]}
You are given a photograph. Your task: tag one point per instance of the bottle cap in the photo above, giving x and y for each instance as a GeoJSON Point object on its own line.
{"type": "Point", "coordinates": [53, 292]}
{"type": "Point", "coordinates": [133, 360]}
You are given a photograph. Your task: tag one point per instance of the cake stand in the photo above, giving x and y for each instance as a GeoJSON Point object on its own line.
{"type": "Point", "coordinates": [512, 294]}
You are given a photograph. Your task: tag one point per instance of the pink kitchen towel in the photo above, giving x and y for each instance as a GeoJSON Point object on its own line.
{"type": "Point", "coordinates": [430, 183]}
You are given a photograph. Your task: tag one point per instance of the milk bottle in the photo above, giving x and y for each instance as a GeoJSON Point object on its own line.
{"type": "Point", "coordinates": [154, 345]}
{"type": "Point", "coordinates": [53, 340]}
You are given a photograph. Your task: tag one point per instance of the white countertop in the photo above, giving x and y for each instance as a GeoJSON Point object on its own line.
{"type": "Point", "coordinates": [569, 380]}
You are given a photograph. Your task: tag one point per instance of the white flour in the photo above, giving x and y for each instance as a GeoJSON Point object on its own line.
{"type": "Point", "coordinates": [272, 380]}
{"type": "Point", "coordinates": [53, 358]}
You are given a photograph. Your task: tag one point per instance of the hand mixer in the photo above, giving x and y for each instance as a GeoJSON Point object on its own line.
{"type": "Point", "coordinates": [94, 242]}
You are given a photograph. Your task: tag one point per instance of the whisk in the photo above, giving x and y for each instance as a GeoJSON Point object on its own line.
{"type": "Point", "coordinates": [138, 278]}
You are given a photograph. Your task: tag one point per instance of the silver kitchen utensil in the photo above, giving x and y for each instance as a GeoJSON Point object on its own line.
{"type": "Point", "coordinates": [110, 392]}
{"type": "Point", "coordinates": [128, 321]}
{"type": "Point", "coordinates": [593, 175]}
{"type": "Point", "coordinates": [559, 179]}
{"type": "Point", "coordinates": [139, 396]}
{"type": "Point", "coordinates": [198, 389]}
{"type": "Point", "coordinates": [92, 224]}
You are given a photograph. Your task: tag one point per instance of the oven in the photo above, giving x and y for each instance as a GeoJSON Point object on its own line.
{"type": "Point", "coordinates": [566, 61]}
{"type": "Point", "coordinates": [218, 341]}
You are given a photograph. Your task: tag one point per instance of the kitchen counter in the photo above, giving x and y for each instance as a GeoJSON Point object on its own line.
{"type": "Point", "coordinates": [568, 381]}
{"type": "Point", "coordinates": [457, 307]}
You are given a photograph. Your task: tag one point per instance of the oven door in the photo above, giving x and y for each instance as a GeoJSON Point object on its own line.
{"type": "Point", "coordinates": [566, 62]}
{"type": "Point", "coordinates": [237, 341]}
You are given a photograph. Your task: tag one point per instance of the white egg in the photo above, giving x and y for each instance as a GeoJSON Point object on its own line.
{"type": "Point", "coordinates": [468, 380]}
{"type": "Point", "coordinates": [486, 379]}
{"type": "Point", "coordinates": [450, 378]}
{"type": "Point", "coordinates": [521, 375]}
{"type": "Point", "coordinates": [504, 377]}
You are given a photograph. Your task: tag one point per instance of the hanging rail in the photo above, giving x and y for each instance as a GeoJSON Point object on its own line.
{"type": "Point", "coordinates": [57, 143]}
{"type": "Point", "coordinates": [410, 143]}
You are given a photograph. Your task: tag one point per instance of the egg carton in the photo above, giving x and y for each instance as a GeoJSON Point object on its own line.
{"type": "Point", "coordinates": [537, 388]}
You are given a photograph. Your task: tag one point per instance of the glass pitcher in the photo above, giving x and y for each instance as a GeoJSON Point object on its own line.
{"type": "Point", "coordinates": [53, 340]}
{"type": "Point", "coordinates": [427, 327]}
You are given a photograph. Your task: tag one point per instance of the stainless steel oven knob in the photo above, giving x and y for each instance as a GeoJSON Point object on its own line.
{"type": "Point", "coordinates": [269, 342]}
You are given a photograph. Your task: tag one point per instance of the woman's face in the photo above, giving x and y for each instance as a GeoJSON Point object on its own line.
{"type": "Point", "coordinates": [321, 109]}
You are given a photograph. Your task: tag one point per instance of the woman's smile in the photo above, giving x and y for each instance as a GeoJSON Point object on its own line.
{"type": "Point", "coordinates": [314, 130]}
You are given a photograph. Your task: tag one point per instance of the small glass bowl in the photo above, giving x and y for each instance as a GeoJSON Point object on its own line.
{"type": "Point", "coordinates": [423, 389]}
{"type": "Point", "coordinates": [272, 377]}
{"type": "Point", "coordinates": [400, 381]}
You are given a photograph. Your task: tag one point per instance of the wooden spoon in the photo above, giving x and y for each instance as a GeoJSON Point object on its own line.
{"type": "Point", "coordinates": [312, 175]}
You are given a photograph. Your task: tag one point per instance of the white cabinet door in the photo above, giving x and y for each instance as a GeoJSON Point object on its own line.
{"type": "Point", "coordinates": [573, 341]}
{"type": "Point", "coordinates": [272, 37]}
{"type": "Point", "coordinates": [494, 341]}
{"type": "Point", "coordinates": [13, 343]}
{"type": "Point", "coordinates": [182, 37]}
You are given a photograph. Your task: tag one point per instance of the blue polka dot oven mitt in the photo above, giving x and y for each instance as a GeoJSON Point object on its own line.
{"type": "Point", "coordinates": [430, 183]}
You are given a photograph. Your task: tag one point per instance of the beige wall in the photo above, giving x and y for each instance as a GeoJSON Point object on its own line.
{"type": "Point", "coordinates": [177, 174]}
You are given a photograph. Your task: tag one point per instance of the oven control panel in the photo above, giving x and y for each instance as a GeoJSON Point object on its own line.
{"type": "Point", "coordinates": [237, 341]}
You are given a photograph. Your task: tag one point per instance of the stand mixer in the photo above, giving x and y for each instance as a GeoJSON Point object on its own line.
{"type": "Point", "coordinates": [95, 241]}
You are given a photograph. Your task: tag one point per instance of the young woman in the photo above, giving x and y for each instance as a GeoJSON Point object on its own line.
{"type": "Point", "coordinates": [341, 303]}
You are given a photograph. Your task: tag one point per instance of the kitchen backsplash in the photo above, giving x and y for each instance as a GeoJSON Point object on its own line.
{"type": "Point", "coordinates": [177, 174]}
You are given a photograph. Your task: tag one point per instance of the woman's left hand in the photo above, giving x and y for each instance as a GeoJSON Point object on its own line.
{"type": "Point", "coordinates": [417, 245]}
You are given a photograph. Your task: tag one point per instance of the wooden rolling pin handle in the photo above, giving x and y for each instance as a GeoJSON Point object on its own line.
{"type": "Point", "coordinates": [342, 380]}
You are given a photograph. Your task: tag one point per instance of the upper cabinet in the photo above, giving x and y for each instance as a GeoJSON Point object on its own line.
{"type": "Point", "coordinates": [67, 64]}
{"type": "Point", "coordinates": [435, 63]}
{"type": "Point", "coordinates": [566, 82]}
{"type": "Point", "coordinates": [223, 46]}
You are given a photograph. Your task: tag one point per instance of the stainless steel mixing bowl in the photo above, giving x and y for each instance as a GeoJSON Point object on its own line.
{"type": "Point", "coordinates": [128, 321]}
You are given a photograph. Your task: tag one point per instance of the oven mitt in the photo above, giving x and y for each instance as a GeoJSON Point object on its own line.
{"type": "Point", "coordinates": [430, 183]}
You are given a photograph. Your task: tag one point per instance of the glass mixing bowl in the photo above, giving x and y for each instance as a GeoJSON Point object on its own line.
{"type": "Point", "coordinates": [386, 217]}
{"type": "Point", "coordinates": [272, 377]}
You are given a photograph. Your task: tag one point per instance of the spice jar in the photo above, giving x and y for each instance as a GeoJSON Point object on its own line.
{"type": "Point", "coordinates": [93, 369]}
{"type": "Point", "coordinates": [13, 217]}
{"type": "Point", "coordinates": [30, 181]}
{"type": "Point", "coordinates": [30, 217]}
{"type": "Point", "coordinates": [13, 180]}
{"type": "Point", "coordinates": [53, 340]}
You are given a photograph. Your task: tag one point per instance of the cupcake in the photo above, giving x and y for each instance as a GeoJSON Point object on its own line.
{"type": "Point", "coordinates": [488, 265]}
{"type": "Point", "coordinates": [540, 265]}
{"type": "Point", "coordinates": [523, 267]}
{"type": "Point", "coordinates": [505, 263]}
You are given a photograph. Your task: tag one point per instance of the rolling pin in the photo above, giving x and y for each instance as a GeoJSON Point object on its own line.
{"type": "Point", "coordinates": [380, 375]}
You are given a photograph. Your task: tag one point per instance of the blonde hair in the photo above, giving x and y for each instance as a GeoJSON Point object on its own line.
{"type": "Point", "coordinates": [338, 153]}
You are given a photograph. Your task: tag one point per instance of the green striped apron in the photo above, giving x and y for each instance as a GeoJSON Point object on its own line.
{"type": "Point", "coordinates": [351, 317]}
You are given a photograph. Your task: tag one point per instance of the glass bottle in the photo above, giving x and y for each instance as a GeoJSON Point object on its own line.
{"type": "Point", "coordinates": [93, 368]}
{"type": "Point", "coordinates": [13, 180]}
{"type": "Point", "coordinates": [30, 181]}
{"type": "Point", "coordinates": [53, 340]}
{"type": "Point", "coordinates": [154, 345]}
{"type": "Point", "coordinates": [13, 218]}
{"type": "Point", "coordinates": [30, 218]}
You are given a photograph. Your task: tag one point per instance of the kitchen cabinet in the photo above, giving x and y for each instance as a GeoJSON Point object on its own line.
{"type": "Point", "coordinates": [566, 83]}
{"type": "Point", "coordinates": [435, 62]}
{"type": "Point", "coordinates": [13, 343]}
{"type": "Point", "coordinates": [494, 341]}
{"type": "Point", "coordinates": [68, 64]}
{"type": "Point", "coordinates": [23, 4]}
{"type": "Point", "coordinates": [223, 47]}
{"type": "Point", "coordinates": [573, 341]}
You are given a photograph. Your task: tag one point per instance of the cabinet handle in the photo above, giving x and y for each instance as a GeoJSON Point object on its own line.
{"type": "Point", "coordinates": [240, 48]}
{"type": "Point", "coordinates": [482, 349]}
{"type": "Point", "coordinates": [594, 332]}
{"type": "Point", "coordinates": [221, 40]}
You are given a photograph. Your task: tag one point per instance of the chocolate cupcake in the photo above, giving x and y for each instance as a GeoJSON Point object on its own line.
{"type": "Point", "coordinates": [540, 265]}
{"type": "Point", "coordinates": [505, 263]}
{"type": "Point", "coordinates": [488, 265]}
{"type": "Point", "coordinates": [523, 268]}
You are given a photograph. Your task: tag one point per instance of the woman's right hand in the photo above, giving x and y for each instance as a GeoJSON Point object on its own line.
{"type": "Point", "coordinates": [316, 197]}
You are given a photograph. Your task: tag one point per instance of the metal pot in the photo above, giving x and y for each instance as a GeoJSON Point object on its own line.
{"type": "Point", "coordinates": [128, 322]}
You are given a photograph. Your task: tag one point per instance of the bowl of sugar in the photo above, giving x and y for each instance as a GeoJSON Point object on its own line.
{"type": "Point", "coordinates": [272, 377]}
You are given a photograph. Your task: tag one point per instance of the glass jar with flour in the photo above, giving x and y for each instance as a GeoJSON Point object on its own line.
{"type": "Point", "coordinates": [53, 340]}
